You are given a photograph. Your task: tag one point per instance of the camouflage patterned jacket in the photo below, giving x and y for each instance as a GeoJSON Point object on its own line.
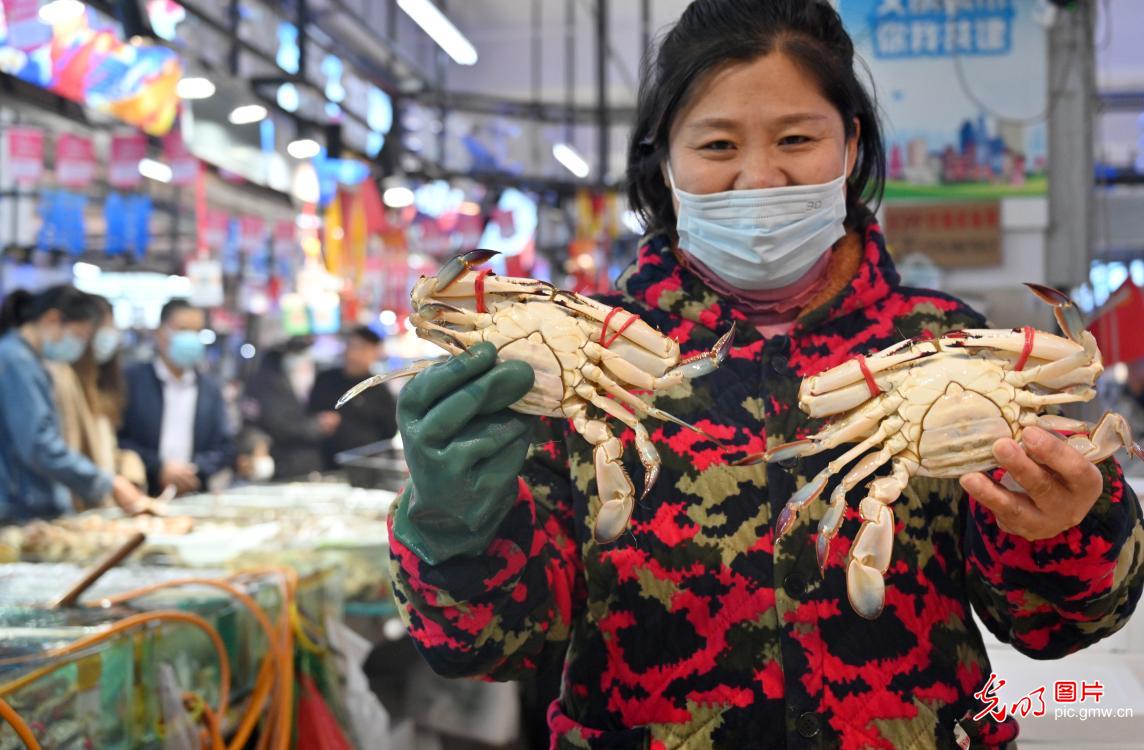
{"type": "Point", "coordinates": [697, 630]}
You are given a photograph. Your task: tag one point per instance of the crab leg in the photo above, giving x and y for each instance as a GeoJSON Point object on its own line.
{"type": "Point", "coordinates": [376, 380]}
{"type": "Point", "coordinates": [812, 489]}
{"type": "Point", "coordinates": [614, 486]}
{"type": "Point", "coordinates": [649, 456]}
{"type": "Point", "coordinates": [850, 372]}
{"type": "Point", "coordinates": [859, 425]}
{"type": "Point", "coordinates": [846, 398]}
{"type": "Point", "coordinates": [831, 522]}
{"type": "Point", "coordinates": [1094, 442]}
{"type": "Point", "coordinates": [1034, 400]}
{"type": "Point", "coordinates": [874, 544]}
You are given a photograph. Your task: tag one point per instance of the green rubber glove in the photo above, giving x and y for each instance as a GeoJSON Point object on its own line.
{"type": "Point", "coordinates": [465, 449]}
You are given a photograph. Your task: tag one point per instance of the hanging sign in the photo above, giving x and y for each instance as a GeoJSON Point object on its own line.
{"type": "Point", "coordinates": [952, 235]}
{"type": "Point", "coordinates": [75, 161]}
{"type": "Point", "coordinates": [206, 283]}
{"type": "Point", "coordinates": [963, 83]}
{"type": "Point", "coordinates": [127, 150]}
{"type": "Point", "coordinates": [184, 166]}
{"type": "Point", "coordinates": [251, 233]}
{"type": "Point", "coordinates": [24, 149]}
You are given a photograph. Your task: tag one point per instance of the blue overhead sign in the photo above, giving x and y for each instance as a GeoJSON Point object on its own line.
{"type": "Point", "coordinates": [942, 28]}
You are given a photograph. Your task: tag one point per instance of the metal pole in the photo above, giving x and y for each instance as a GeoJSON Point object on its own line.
{"type": "Point", "coordinates": [645, 28]}
{"type": "Point", "coordinates": [1072, 83]}
{"type": "Point", "coordinates": [234, 18]}
{"type": "Point", "coordinates": [440, 62]}
{"type": "Point", "coordinates": [302, 21]}
{"type": "Point", "coordinates": [537, 74]}
{"type": "Point", "coordinates": [602, 90]}
{"type": "Point", "coordinates": [569, 67]}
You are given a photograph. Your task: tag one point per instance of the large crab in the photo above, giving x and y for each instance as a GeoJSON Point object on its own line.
{"type": "Point", "coordinates": [934, 407]}
{"type": "Point", "coordinates": [582, 351]}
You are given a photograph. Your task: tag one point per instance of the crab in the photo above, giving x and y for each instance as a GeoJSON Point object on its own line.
{"type": "Point", "coordinates": [581, 351]}
{"type": "Point", "coordinates": [933, 407]}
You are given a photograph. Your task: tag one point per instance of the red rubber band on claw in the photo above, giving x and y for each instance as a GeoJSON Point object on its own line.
{"type": "Point", "coordinates": [479, 289]}
{"type": "Point", "coordinates": [1027, 350]}
{"type": "Point", "coordinates": [870, 382]}
{"type": "Point", "coordinates": [604, 340]}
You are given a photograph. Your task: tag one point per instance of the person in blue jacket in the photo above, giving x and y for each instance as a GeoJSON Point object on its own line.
{"type": "Point", "coordinates": [38, 471]}
{"type": "Point", "coordinates": [175, 417]}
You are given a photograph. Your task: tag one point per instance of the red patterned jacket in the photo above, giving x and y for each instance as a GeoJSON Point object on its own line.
{"type": "Point", "coordinates": [697, 630]}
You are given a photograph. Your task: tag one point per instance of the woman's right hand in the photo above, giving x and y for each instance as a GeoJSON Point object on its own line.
{"type": "Point", "coordinates": [129, 498]}
{"type": "Point", "coordinates": [465, 449]}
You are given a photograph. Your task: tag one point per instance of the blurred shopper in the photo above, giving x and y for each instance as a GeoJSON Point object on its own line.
{"type": "Point", "coordinates": [90, 396]}
{"type": "Point", "coordinates": [278, 393]}
{"type": "Point", "coordinates": [175, 417]}
{"type": "Point", "coordinates": [756, 162]}
{"type": "Point", "coordinates": [254, 462]}
{"type": "Point", "coordinates": [370, 417]}
{"type": "Point", "coordinates": [37, 468]}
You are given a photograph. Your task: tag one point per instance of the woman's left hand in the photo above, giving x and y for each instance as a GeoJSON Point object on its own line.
{"type": "Point", "coordinates": [1062, 486]}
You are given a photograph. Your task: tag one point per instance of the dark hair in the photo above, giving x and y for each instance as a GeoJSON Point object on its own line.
{"type": "Point", "coordinates": [173, 306]}
{"type": "Point", "coordinates": [74, 306]}
{"type": "Point", "coordinates": [365, 333]}
{"type": "Point", "coordinates": [713, 33]}
{"type": "Point", "coordinates": [102, 384]}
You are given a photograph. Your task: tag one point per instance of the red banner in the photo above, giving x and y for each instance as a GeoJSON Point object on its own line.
{"type": "Point", "coordinates": [1116, 325]}
{"type": "Point", "coordinates": [75, 161]}
{"type": "Point", "coordinates": [25, 150]}
{"type": "Point", "coordinates": [214, 228]}
{"type": "Point", "coordinates": [127, 150]}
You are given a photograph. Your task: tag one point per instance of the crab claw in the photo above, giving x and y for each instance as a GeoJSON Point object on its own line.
{"type": "Point", "coordinates": [1067, 314]}
{"type": "Point", "coordinates": [698, 365]}
{"type": "Point", "coordinates": [457, 265]}
{"type": "Point", "coordinates": [436, 311]}
{"type": "Point", "coordinates": [806, 494]}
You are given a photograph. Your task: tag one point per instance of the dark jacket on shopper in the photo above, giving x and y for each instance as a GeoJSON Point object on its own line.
{"type": "Point", "coordinates": [37, 468]}
{"type": "Point", "coordinates": [143, 424]}
{"type": "Point", "coordinates": [272, 406]}
{"type": "Point", "coordinates": [370, 417]}
{"type": "Point", "coordinates": [697, 628]}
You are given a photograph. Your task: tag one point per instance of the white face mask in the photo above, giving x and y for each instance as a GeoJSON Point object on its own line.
{"type": "Point", "coordinates": [261, 468]}
{"type": "Point", "coordinates": [764, 238]}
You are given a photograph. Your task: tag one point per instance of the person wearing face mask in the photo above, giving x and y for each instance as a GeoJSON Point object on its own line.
{"type": "Point", "coordinates": [276, 402]}
{"type": "Point", "coordinates": [89, 396]}
{"type": "Point", "coordinates": [38, 470]}
{"type": "Point", "coordinates": [756, 162]}
{"type": "Point", "coordinates": [175, 417]}
{"type": "Point", "coordinates": [367, 419]}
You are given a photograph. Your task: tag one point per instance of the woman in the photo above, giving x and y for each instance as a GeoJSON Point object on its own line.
{"type": "Point", "coordinates": [756, 159]}
{"type": "Point", "coordinates": [277, 400]}
{"type": "Point", "coordinates": [37, 468]}
{"type": "Point", "coordinates": [90, 396]}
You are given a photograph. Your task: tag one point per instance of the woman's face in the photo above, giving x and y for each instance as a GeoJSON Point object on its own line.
{"type": "Point", "coordinates": [53, 328]}
{"type": "Point", "coordinates": [761, 124]}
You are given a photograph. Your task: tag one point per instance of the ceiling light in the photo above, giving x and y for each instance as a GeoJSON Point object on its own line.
{"type": "Point", "coordinates": [304, 148]}
{"type": "Point", "coordinates": [155, 170]}
{"type": "Point", "coordinates": [571, 160]}
{"type": "Point", "coordinates": [398, 197]}
{"type": "Point", "coordinates": [470, 208]}
{"type": "Point", "coordinates": [195, 88]}
{"type": "Point", "coordinates": [434, 23]}
{"type": "Point", "coordinates": [61, 11]}
{"type": "Point", "coordinates": [247, 114]}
